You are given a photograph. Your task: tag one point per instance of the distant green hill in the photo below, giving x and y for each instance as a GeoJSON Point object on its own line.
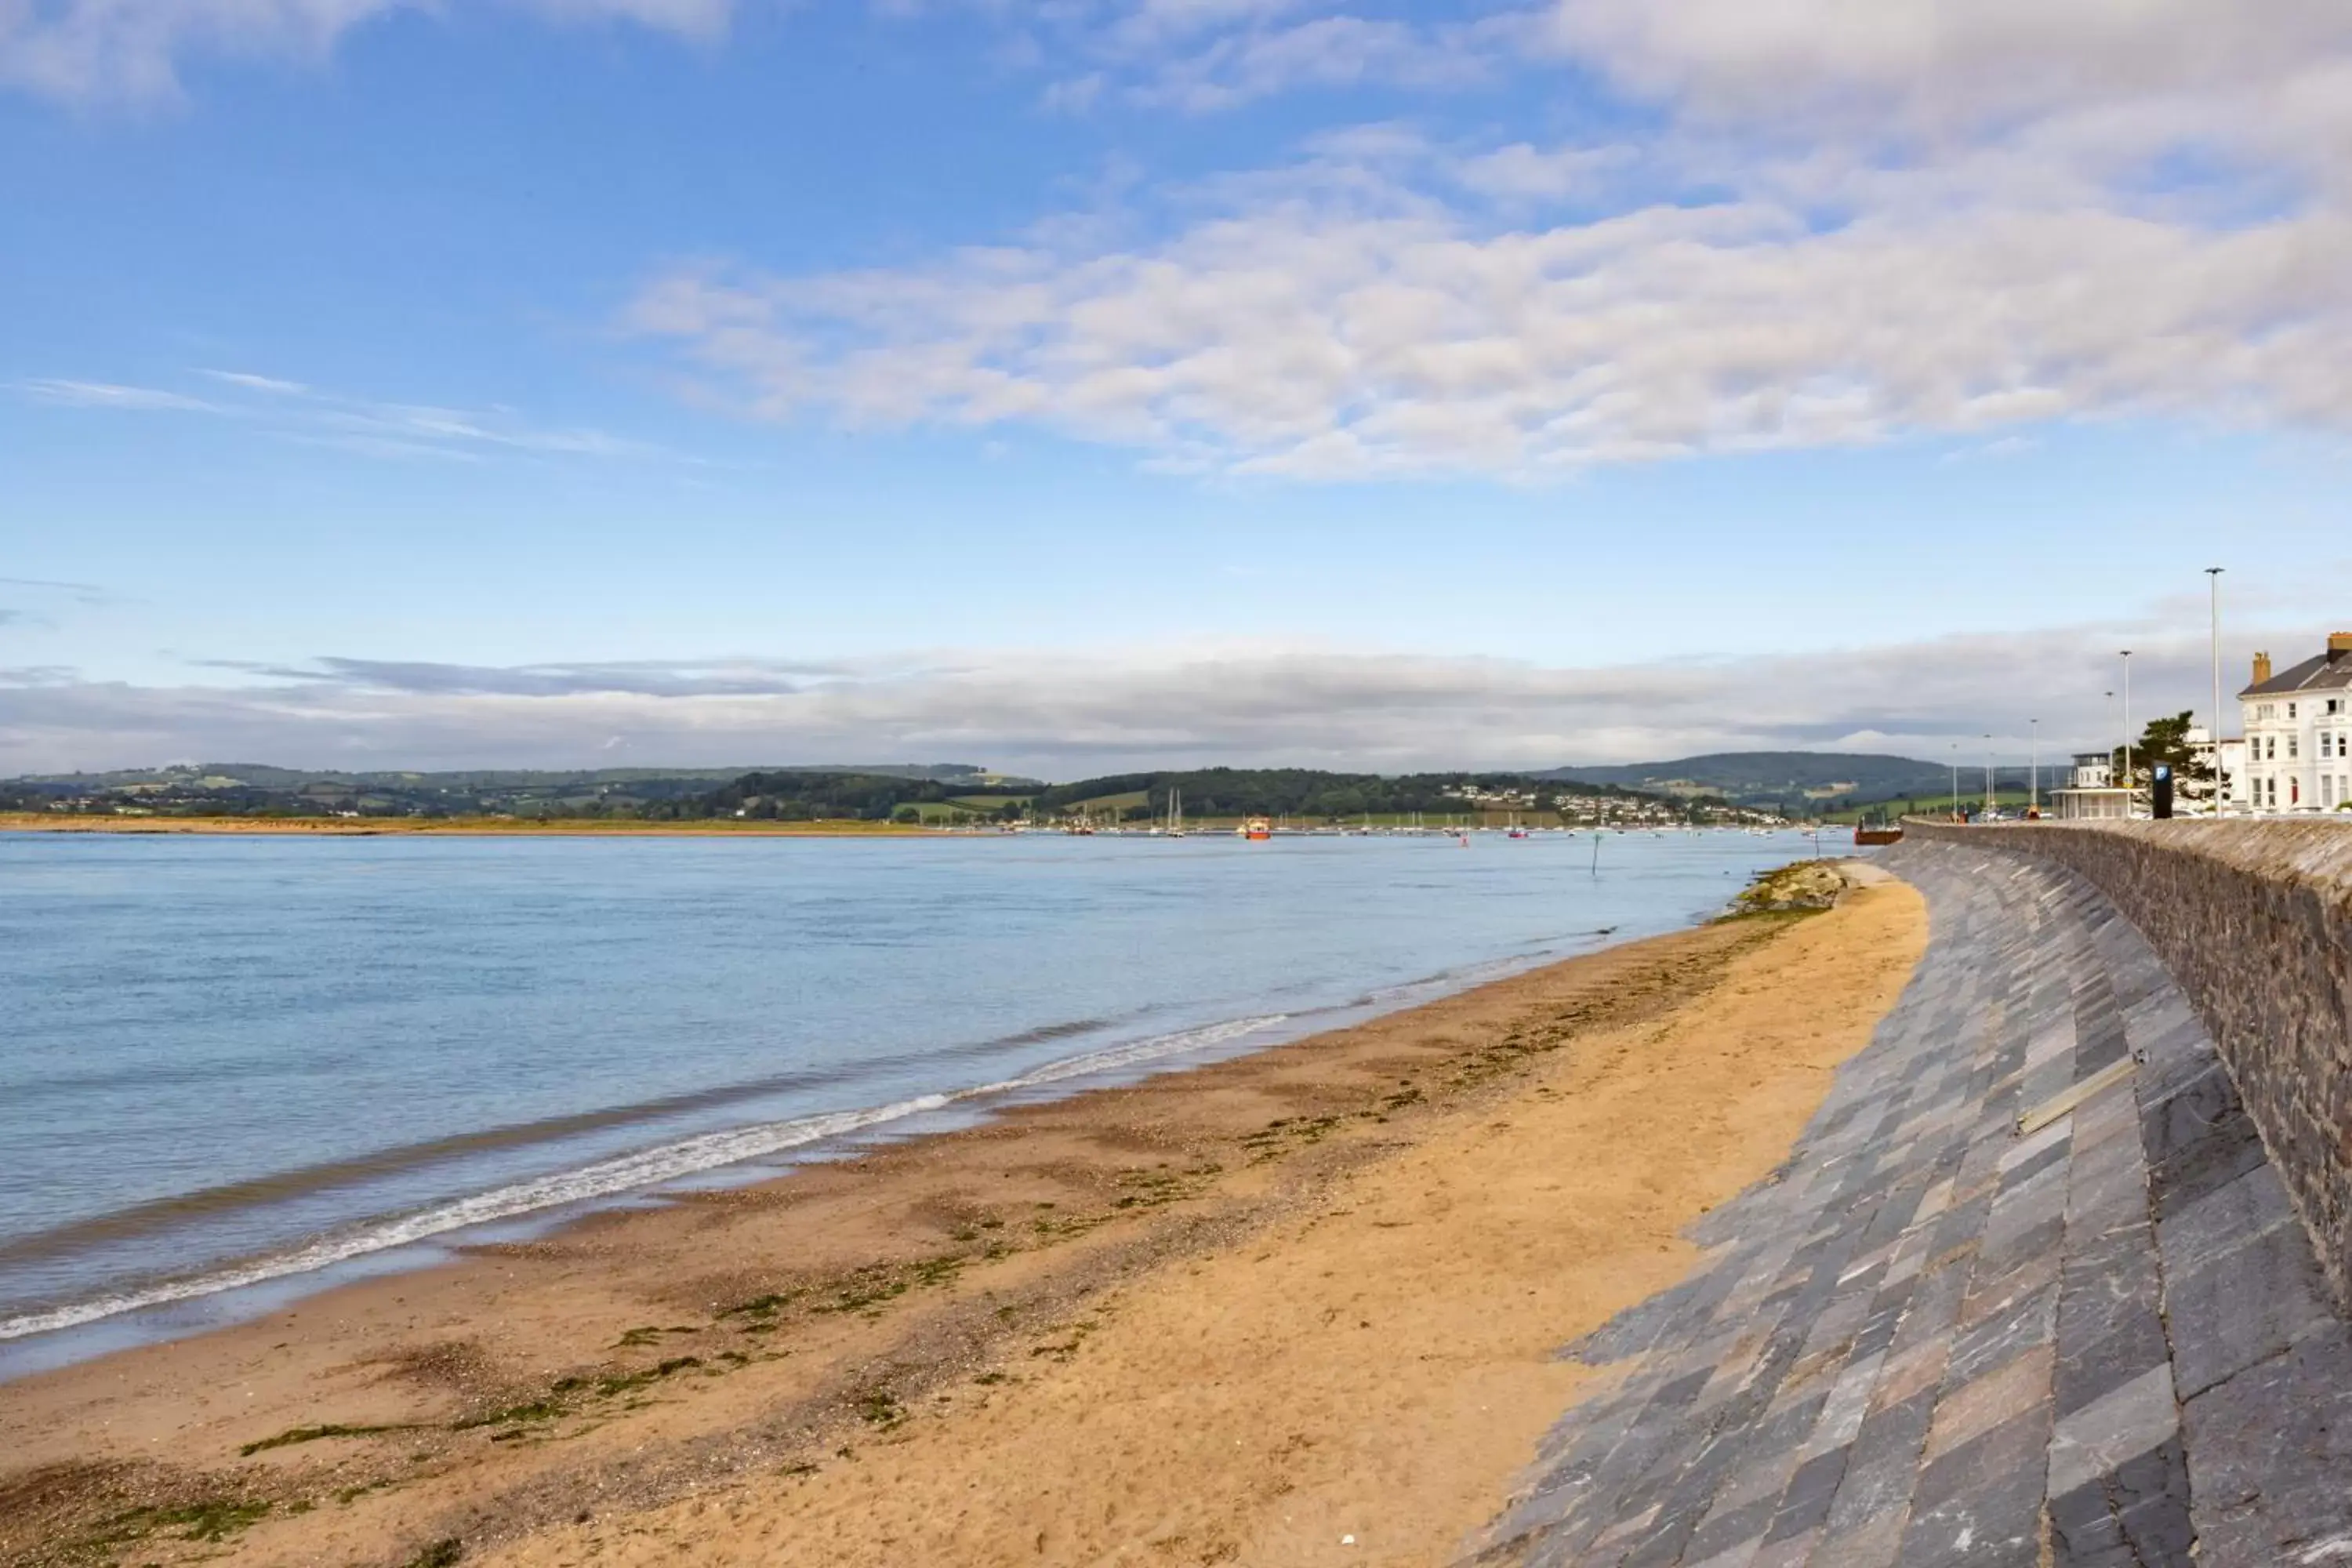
{"type": "Point", "coordinates": [246, 789]}
{"type": "Point", "coordinates": [937, 791]}
{"type": "Point", "coordinates": [264, 776]}
{"type": "Point", "coordinates": [1787, 779]}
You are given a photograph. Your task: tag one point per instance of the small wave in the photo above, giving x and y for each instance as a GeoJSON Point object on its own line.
{"type": "Point", "coordinates": [627, 1173]}
{"type": "Point", "coordinates": [1112, 1058]}
{"type": "Point", "coordinates": [158, 1216]}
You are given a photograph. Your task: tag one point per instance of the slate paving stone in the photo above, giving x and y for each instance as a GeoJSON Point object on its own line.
{"type": "Point", "coordinates": [2198, 1141]}
{"type": "Point", "coordinates": [2270, 1458]}
{"type": "Point", "coordinates": [2016, 1325]}
{"type": "Point", "coordinates": [1926, 1340]}
{"type": "Point", "coordinates": [1742, 1526]}
{"type": "Point", "coordinates": [1885, 1465]}
{"type": "Point", "coordinates": [1873, 1544]}
{"type": "Point", "coordinates": [2135, 1516]}
{"type": "Point", "coordinates": [1994, 1523]}
{"type": "Point", "coordinates": [2110, 1432]}
{"type": "Point", "coordinates": [2248, 1305]}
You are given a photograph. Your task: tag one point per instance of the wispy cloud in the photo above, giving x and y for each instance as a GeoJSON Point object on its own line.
{"type": "Point", "coordinates": [635, 678]}
{"type": "Point", "coordinates": [366, 426]}
{"type": "Point", "coordinates": [1051, 714]}
{"type": "Point", "coordinates": [134, 50]}
{"type": "Point", "coordinates": [84, 592]}
{"type": "Point", "coordinates": [252, 383]}
{"type": "Point", "coordinates": [110, 395]}
{"type": "Point", "coordinates": [46, 594]}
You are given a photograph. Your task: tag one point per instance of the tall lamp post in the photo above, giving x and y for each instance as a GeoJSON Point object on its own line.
{"type": "Point", "coordinates": [1956, 781]}
{"type": "Point", "coordinates": [2213, 575]}
{"type": "Point", "coordinates": [2111, 729]}
{"type": "Point", "coordinates": [2128, 738]}
{"type": "Point", "coordinates": [2033, 776]}
{"type": "Point", "coordinates": [1988, 810]}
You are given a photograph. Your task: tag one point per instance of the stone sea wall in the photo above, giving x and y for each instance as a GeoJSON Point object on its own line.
{"type": "Point", "coordinates": [2254, 920]}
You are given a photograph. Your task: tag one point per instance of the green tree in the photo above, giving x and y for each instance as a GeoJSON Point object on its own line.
{"type": "Point", "coordinates": [2165, 739]}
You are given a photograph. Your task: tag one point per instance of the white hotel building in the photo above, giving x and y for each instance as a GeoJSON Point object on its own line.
{"type": "Point", "coordinates": [2299, 733]}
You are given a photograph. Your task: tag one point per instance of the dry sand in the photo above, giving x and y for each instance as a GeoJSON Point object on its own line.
{"type": "Point", "coordinates": [1294, 1308]}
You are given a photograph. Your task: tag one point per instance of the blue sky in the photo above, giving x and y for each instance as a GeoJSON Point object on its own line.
{"type": "Point", "coordinates": [1073, 385]}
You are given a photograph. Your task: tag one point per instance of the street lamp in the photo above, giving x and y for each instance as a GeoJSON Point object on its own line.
{"type": "Point", "coordinates": [2111, 729]}
{"type": "Point", "coordinates": [1956, 781]}
{"type": "Point", "coordinates": [1988, 810]}
{"type": "Point", "coordinates": [2213, 575]}
{"type": "Point", "coordinates": [2128, 738]}
{"type": "Point", "coordinates": [2033, 777]}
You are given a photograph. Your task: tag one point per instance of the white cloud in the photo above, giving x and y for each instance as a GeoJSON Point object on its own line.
{"type": "Point", "coordinates": [132, 49]}
{"type": "Point", "coordinates": [1061, 714]}
{"type": "Point", "coordinates": [1522, 172]}
{"type": "Point", "coordinates": [1845, 224]}
{"type": "Point", "coordinates": [1942, 63]}
{"type": "Point", "coordinates": [1312, 337]}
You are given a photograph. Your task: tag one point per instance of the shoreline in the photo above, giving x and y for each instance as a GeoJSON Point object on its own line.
{"type": "Point", "coordinates": [239, 1289]}
{"type": "Point", "coordinates": [727, 1333]}
{"type": "Point", "coordinates": [461, 826]}
{"type": "Point", "coordinates": [713, 827]}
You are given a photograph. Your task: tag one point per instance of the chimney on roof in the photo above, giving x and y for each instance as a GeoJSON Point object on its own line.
{"type": "Point", "coordinates": [2338, 645]}
{"type": "Point", "coordinates": [2261, 667]}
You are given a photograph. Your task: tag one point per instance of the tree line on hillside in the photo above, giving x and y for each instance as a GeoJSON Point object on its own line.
{"type": "Point", "coordinates": [825, 797]}
{"type": "Point", "coordinates": [791, 795]}
{"type": "Point", "coordinates": [797, 794]}
{"type": "Point", "coordinates": [1310, 792]}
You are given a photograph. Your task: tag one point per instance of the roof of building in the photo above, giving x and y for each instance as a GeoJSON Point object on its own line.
{"type": "Point", "coordinates": [2321, 672]}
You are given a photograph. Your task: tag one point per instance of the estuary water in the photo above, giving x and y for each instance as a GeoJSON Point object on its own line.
{"type": "Point", "coordinates": [235, 1065]}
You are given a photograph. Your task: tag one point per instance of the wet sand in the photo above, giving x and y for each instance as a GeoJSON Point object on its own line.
{"type": "Point", "coordinates": [1235, 1314]}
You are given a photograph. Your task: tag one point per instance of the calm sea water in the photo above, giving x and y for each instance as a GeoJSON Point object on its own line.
{"type": "Point", "coordinates": [231, 1061]}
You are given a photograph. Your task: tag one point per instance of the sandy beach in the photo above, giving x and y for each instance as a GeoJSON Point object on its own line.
{"type": "Point", "coordinates": [1292, 1308]}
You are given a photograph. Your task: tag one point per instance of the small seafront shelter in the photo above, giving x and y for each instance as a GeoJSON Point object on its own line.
{"type": "Point", "coordinates": [2092, 794]}
{"type": "Point", "coordinates": [2090, 804]}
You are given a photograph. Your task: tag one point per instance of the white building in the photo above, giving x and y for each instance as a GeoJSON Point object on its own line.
{"type": "Point", "coordinates": [2299, 731]}
{"type": "Point", "coordinates": [2232, 773]}
{"type": "Point", "coordinates": [2092, 792]}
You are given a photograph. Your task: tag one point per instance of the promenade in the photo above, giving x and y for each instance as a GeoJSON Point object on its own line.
{"type": "Point", "coordinates": [2028, 1291]}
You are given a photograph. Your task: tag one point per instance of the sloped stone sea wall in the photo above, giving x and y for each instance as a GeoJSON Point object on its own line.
{"type": "Point", "coordinates": [2253, 918]}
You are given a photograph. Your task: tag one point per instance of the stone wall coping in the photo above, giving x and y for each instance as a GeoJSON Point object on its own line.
{"type": "Point", "coordinates": [2313, 853]}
